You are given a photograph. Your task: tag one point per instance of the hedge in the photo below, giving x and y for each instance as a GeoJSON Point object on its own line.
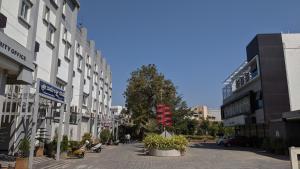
{"type": "Point", "coordinates": [155, 141]}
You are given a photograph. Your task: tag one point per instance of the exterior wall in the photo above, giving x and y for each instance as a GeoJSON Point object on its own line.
{"type": "Point", "coordinates": [273, 75]}
{"type": "Point", "coordinates": [215, 113]}
{"type": "Point", "coordinates": [279, 61]}
{"type": "Point", "coordinates": [291, 44]}
{"type": "Point", "coordinates": [203, 112]}
{"type": "Point", "coordinates": [53, 67]}
{"type": "Point", "coordinates": [45, 54]}
{"type": "Point", "coordinates": [13, 28]}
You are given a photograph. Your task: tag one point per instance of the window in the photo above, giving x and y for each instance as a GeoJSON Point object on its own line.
{"type": "Point", "coordinates": [79, 65]}
{"type": "Point", "coordinates": [65, 34]}
{"type": "Point", "coordinates": [58, 62]}
{"type": "Point", "coordinates": [84, 99]}
{"type": "Point", "coordinates": [60, 84]}
{"type": "Point", "coordinates": [47, 14]}
{"type": "Point", "coordinates": [78, 49]}
{"type": "Point", "coordinates": [95, 104]}
{"type": "Point", "coordinates": [88, 59]}
{"type": "Point", "coordinates": [50, 34]}
{"type": "Point", "coordinates": [88, 73]}
{"type": "Point", "coordinates": [64, 9]}
{"type": "Point", "coordinates": [73, 73]}
{"type": "Point", "coordinates": [24, 9]}
{"type": "Point", "coordinates": [67, 50]}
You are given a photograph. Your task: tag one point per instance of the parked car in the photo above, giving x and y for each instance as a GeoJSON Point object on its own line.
{"type": "Point", "coordinates": [222, 140]}
{"type": "Point", "coordinates": [236, 141]}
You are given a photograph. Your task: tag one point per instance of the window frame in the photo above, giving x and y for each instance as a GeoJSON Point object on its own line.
{"type": "Point", "coordinates": [67, 52]}
{"type": "Point", "coordinates": [50, 39]}
{"type": "Point", "coordinates": [24, 18]}
{"type": "Point", "coordinates": [46, 14]}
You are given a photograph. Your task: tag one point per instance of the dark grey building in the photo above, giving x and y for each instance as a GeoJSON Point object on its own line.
{"type": "Point", "coordinates": [261, 98]}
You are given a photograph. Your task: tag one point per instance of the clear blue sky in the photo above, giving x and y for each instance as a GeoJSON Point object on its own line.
{"type": "Point", "coordinates": [195, 43]}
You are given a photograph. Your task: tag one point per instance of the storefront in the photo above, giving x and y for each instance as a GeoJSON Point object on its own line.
{"type": "Point", "coordinates": [16, 63]}
{"type": "Point", "coordinates": [16, 67]}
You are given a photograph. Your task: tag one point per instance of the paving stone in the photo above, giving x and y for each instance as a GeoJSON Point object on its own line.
{"type": "Point", "coordinates": [198, 156]}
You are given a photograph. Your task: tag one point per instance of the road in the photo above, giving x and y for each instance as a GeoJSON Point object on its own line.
{"type": "Point", "coordinates": [198, 156]}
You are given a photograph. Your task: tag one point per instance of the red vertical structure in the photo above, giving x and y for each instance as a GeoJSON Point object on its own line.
{"type": "Point", "coordinates": [164, 115]}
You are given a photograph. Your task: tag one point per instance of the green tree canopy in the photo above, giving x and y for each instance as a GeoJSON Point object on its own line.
{"type": "Point", "coordinates": [146, 88]}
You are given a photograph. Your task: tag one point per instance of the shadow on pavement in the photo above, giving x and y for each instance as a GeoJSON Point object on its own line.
{"type": "Point", "coordinates": [254, 150]}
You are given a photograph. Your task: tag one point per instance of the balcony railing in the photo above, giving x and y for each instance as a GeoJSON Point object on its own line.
{"type": "Point", "coordinates": [246, 73]}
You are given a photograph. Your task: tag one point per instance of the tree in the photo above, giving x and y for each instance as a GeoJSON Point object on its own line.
{"type": "Point", "coordinates": [105, 135]}
{"type": "Point", "coordinates": [146, 88]}
{"type": "Point", "coordinates": [204, 126]}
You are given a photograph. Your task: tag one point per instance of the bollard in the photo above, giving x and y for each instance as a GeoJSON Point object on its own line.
{"type": "Point", "coordinates": [293, 156]}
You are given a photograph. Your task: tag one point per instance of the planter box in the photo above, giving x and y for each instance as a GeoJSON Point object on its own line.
{"type": "Point", "coordinates": [39, 152]}
{"type": "Point", "coordinates": [164, 153]}
{"type": "Point", "coordinates": [21, 163]}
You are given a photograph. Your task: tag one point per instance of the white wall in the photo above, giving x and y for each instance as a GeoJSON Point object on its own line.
{"type": "Point", "coordinates": [44, 56]}
{"type": "Point", "coordinates": [64, 66]}
{"type": "Point", "coordinates": [292, 62]}
{"type": "Point", "coordinates": [10, 8]}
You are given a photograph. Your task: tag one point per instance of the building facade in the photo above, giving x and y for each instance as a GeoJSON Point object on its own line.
{"type": "Point", "coordinates": [40, 39]}
{"type": "Point", "coordinates": [261, 97]}
{"type": "Point", "coordinates": [201, 112]}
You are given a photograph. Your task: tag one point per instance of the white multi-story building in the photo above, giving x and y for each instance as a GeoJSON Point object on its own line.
{"type": "Point", "coordinates": [201, 112]}
{"type": "Point", "coordinates": [40, 40]}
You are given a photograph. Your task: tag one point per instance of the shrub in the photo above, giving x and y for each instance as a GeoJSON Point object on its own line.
{"type": "Point", "coordinates": [86, 137]}
{"type": "Point", "coordinates": [74, 145]}
{"type": "Point", "coordinates": [24, 147]}
{"type": "Point", "coordinates": [197, 137]}
{"type": "Point", "coordinates": [105, 135]}
{"type": "Point", "coordinates": [64, 144]}
{"type": "Point", "coordinates": [50, 148]}
{"type": "Point", "coordinates": [159, 142]}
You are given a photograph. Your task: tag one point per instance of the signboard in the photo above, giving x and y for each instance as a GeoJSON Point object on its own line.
{"type": "Point", "coordinates": [50, 91]}
{"type": "Point", "coordinates": [15, 51]}
{"type": "Point", "coordinates": [164, 115]}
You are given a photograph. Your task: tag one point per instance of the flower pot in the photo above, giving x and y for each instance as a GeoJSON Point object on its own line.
{"type": "Point", "coordinates": [165, 153]}
{"type": "Point", "coordinates": [40, 152]}
{"type": "Point", "coordinates": [21, 163]}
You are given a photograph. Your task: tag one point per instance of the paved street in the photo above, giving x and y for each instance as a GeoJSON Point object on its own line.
{"type": "Point", "coordinates": [199, 156]}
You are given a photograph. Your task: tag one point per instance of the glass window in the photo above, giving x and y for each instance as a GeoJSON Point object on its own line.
{"type": "Point", "coordinates": [64, 8]}
{"type": "Point", "coordinates": [79, 65]}
{"type": "Point", "coordinates": [65, 34]}
{"type": "Point", "coordinates": [47, 14]}
{"type": "Point", "coordinates": [67, 50]}
{"type": "Point", "coordinates": [25, 6]}
{"type": "Point", "coordinates": [50, 34]}
{"type": "Point", "coordinates": [78, 48]}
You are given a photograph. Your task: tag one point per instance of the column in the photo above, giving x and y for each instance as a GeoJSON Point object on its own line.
{"type": "Point", "coordinates": [3, 78]}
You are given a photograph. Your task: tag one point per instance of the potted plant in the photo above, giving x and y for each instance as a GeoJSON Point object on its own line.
{"type": "Point", "coordinates": [22, 159]}
{"type": "Point", "coordinates": [158, 145]}
{"type": "Point", "coordinates": [39, 150]}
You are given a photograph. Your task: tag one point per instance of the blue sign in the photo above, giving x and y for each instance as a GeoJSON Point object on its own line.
{"type": "Point", "coordinates": [51, 91]}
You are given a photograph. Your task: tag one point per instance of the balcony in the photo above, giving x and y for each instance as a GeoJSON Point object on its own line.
{"type": "Point", "coordinates": [243, 75]}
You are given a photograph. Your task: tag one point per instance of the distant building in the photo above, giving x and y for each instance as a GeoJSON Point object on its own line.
{"type": "Point", "coordinates": [261, 98]}
{"type": "Point", "coordinates": [116, 110]}
{"type": "Point", "coordinates": [214, 114]}
{"type": "Point", "coordinates": [203, 112]}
